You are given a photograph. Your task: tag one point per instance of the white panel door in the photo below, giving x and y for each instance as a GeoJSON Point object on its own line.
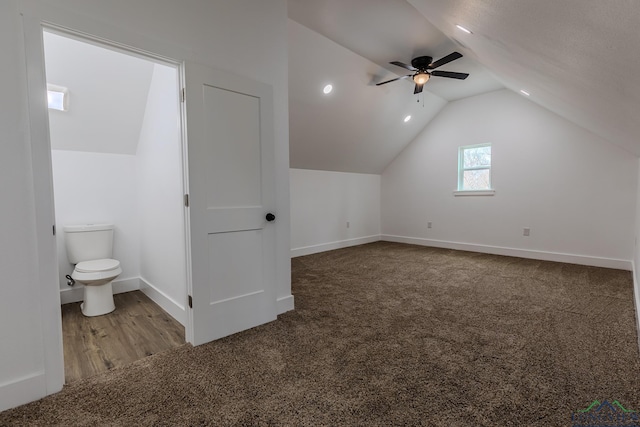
{"type": "Point", "coordinates": [231, 184]}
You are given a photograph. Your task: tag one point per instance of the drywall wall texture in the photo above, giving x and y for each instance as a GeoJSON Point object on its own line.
{"type": "Point", "coordinates": [575, 191]}
{"type": "Point", "coordinates": [322, 203]}
{"type": "Point", "coordinates": [97, 188]}
{"type": "Point", "coordinates": [161, 209]}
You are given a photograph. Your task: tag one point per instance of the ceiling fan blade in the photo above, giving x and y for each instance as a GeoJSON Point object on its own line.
{"type": "Point", "coordinates": [440, 62]}
{"type": "Point", "coordinates": [403, 65]}
{"type": "Point", "coordinates": [418, 89]}
{"type": "Point", "coordinates": [393, 80]}
{"type": "Point", "coordinates": [450, 74]}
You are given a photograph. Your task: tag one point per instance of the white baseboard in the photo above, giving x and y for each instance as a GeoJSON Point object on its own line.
{"type": "Point", "coordinates": [168, 304]}
{"type": "Point", "coordinates": [76, 293]}
{"type": "Point", "coordinates": [285, 304]}
{"type": "Point", "coordinates": [618, 264]}
{"type": "Point", "coordinates": [314, 249]}
{"type": "Point", "coordinates": [23, 390]}
{"type": "Point", "coordinates": [636, 300]}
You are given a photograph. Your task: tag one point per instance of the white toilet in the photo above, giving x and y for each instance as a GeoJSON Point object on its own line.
{"type": "Point", "coordinates": [90, 248]}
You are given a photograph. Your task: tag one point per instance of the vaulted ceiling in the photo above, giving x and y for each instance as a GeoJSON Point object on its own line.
{"type": "Point", "coordinates": [578, 58]}
{"type": "Point", "coordinates": [574, 57]}
{"type": "Point", "coordinates": [358, 127]}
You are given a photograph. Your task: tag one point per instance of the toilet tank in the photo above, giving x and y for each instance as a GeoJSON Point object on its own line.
{"type": "Point", "coordinates": [88, 242]}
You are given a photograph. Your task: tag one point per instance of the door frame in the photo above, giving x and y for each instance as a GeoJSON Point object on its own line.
{"type": "Point", "coordinates": [38, 128]}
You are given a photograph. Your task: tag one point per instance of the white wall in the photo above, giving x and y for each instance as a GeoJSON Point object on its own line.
{"type": "Point", "coordinates": [161, 209]}
{"type": "Point", "coordinates": [96, 188]}
{"type": "Point", "coordinates": [323, 202]}
{"type": "Point", "coordinates": [574, 190]}
{"type": "Point", "coordinates": [232, 35]}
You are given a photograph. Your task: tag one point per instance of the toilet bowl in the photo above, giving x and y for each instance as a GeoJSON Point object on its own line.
{"type": "Point", "coordinates": [90, 248]}
{"type": "Point", "coordinates": [96, 276]}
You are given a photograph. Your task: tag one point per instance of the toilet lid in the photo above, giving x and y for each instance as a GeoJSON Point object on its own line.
{"type": "Point", "coordinates": [97, 265]}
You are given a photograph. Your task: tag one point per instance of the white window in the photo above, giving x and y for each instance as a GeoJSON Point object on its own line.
{"type": "Point", "coordinates": [474, 168]}
{"type": "Point", "coordinates": [57, 97]}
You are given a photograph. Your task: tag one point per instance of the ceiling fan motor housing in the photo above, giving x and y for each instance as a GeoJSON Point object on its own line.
{"type": "Point", "coordinates": [421, 62]}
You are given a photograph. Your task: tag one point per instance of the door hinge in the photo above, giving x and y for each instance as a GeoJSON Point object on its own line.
{"type": "Point", "coordinates": [186, 200]}
{"type": "Point", "coordinates": [183, 95]}
{"type": "Point", "coordinates": [54, 229]}
{"type": "Point", "coordinates": [190, 302]}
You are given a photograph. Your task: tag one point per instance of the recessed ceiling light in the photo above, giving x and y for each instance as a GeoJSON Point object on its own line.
{"type": "Point", "coordinates": [524, 92]}
{"type": "Point", "coordinates": [460, 27]}
{"type": "Point", "coordinates": [327, 89]}
{"type": "Point", "coordinates": [406, 119]}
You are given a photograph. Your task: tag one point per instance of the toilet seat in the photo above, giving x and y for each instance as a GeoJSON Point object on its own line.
{"type": "Point", "coordinates": [97, 265]}
{"type": "Point", "coordinates": [96, 271]}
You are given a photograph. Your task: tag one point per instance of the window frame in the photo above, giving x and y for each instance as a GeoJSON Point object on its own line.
{"type": "Point", "coordinates": [461, 191]}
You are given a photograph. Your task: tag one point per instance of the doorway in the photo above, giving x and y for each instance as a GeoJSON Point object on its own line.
{"type": "Point", "coordinates": [117, 158]}
{"type": "Point", "coordinates": [221, 299]}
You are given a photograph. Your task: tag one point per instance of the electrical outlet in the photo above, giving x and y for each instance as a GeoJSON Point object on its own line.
{"type": "Point", "coordinates": [348, 224]}
{"type": "Point", "coordinates": [526, 231]}
{"type": "Point", "coordinates": [429, 224]}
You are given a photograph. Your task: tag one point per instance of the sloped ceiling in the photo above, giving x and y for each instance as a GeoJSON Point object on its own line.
{"type": "Point", "coordinates": [360, 128]}
{"type": "Point", "coordinates": [391, 30]}
{"type": "Point", "coordinates": [107, 96]}
{"type": "Point", "coordinates": [578, 58]}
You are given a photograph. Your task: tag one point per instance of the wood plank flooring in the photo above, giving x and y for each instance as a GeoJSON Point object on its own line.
{"type": "Point", "coordinates": [136, 329]}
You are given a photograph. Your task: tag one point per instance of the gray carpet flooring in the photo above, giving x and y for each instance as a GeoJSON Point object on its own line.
{"type": "Point", "coordinates": [389, 334]}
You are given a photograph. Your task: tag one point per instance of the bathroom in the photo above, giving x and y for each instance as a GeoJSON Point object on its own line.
{"type": "Point", "coordinates": [117, 159]}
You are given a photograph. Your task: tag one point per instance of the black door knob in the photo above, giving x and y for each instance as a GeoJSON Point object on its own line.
{"type": "Point", "coordinates": [270, 217]}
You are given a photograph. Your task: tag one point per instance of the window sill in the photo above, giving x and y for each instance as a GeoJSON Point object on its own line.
{"type": "Point", "coordinates": [474, 193]}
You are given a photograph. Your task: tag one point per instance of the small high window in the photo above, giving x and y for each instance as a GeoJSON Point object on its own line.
{"type": "Point", "coordinates": [57, 97]}
{"type": "Point", "coordinates": [474, 168]}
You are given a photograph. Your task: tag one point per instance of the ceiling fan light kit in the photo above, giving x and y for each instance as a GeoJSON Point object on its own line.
{"type": "Point", "coordinates": [421, 67]}
{"type": "Point", "coordinates": [421, 78]}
